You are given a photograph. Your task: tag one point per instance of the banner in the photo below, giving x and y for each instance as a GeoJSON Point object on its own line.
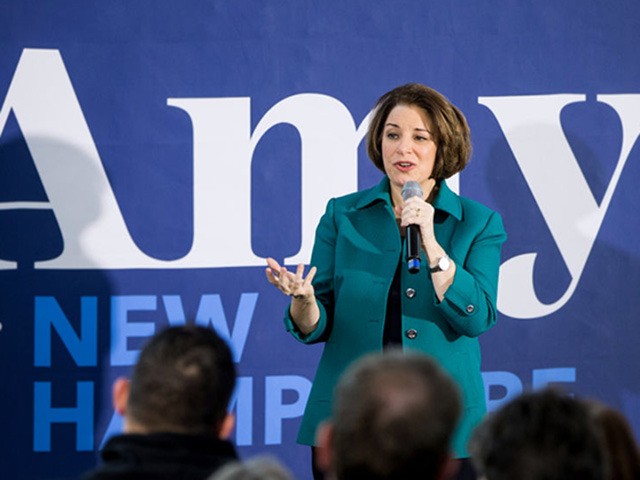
{"type": "Point", "coordinates": [153, 154]}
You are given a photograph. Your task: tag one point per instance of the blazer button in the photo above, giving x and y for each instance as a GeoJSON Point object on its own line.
{"type": "Point", "coordinates": [410, 293]}
{"type": "Point", "coordinates": [411, 333]}
{"type": "Point", "coordinates": [470, 308]}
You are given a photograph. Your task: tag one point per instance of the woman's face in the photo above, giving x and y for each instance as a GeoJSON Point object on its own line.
{"type": "Point", "coordinates": [408, 149]}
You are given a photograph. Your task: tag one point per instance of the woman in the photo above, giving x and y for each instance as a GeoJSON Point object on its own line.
{"type": "Point", "coordinates": [359, 296]}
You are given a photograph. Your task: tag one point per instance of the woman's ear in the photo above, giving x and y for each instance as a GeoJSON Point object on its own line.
{"type": "Point", "coordinates": [120, 394]}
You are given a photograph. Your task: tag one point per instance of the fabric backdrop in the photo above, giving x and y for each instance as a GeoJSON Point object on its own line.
{"type": "Point", "coordinates": [154, 153]}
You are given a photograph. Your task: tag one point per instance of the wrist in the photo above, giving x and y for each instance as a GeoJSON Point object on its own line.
{"type": "Point", "coordinates": [303, 300]}
{"type": "Point", "coordinates": [430, 244]}
{"type": "Point", "coordinates": [442, 264]}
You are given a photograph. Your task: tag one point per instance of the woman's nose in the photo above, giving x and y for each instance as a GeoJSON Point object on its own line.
{"type": "Point", "coordinates": [405, 146]}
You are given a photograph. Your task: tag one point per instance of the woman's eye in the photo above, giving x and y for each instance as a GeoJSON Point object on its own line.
{"type": "Point", "coordinates": [392, 135]}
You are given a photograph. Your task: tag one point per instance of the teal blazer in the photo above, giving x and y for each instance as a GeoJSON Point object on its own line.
{"type": "Point", "coordinates": [357, 249]}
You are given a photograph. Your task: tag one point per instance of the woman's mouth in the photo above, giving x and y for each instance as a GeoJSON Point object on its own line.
{"type": "Point", "coordinates": [404, 166]}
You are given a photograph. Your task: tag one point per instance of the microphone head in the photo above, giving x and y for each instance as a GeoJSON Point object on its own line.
{"type": "Point", "coordinates": [410, 189]}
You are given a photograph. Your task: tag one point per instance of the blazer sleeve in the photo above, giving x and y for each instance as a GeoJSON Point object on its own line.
{"type": "Point", "coordinates": [469, 303]}
{"type": "Point", "coordinates": [323, 258]}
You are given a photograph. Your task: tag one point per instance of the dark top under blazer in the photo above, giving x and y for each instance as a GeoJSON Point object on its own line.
{"type": "Point", "coordinates": [357, 249]}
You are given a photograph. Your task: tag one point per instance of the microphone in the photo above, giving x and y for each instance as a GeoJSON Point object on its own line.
{"type": "Point", "coordinates": [412, 189]}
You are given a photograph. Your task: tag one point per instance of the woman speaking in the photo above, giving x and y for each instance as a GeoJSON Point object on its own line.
{"type": "Point", "coordinates": [365, 291]}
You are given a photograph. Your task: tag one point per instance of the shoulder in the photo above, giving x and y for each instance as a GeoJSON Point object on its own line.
{"type": "Point", "coordinates": [475, 210]}
{"type": "Point", "coordinates": [481, 218]}
{"type": "Point", "coordinates": [463, 209]}
{"type": "Point", "coordinates": [472, 217]}
{"type": "Point", "coordinates": [350, 200]}
{"type": "Point", "coordinates": [362, 198]}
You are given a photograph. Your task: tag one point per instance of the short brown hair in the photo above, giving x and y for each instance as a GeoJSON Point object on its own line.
{"type": "Point", "coordinates": [539, 435]}
{"type": "Point", "coordinates": [394, 416]}
{"type": "Point", "coordinates": [451, 131]}
{"type": "Point", "coordinates": [620, 449]}
{"type": "Point", "coordinates": [183, 381]}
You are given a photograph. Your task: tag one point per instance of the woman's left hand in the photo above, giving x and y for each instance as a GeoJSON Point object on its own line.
{"type": "Point", "coordinates": [416, 211]}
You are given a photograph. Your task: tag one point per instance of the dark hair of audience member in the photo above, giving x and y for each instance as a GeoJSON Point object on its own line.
{"type": "Point", "coordinates": [620, 446]}
{"type": "Point", "coordinates": [543, 435]}
{"type": "Point", "coordinates": [394, 417]}
{"type": "Point", "coordinates": [181, 384]}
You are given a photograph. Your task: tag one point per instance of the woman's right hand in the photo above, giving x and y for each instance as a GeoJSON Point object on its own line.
{"type": "Point", "coordinates": [292, 284]}
{"type": "Point", "coordinates": [304, 309]}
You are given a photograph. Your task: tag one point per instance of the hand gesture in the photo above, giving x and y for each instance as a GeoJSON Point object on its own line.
{"type": "Point", "coordinates": [292, 284]}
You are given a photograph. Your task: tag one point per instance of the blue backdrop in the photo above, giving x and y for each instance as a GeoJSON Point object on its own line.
{"type": "Point", "coordinates": [153, 153]}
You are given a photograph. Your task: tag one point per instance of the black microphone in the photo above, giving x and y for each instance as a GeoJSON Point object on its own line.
{"type": "Point", "coordinates": [412, 233]}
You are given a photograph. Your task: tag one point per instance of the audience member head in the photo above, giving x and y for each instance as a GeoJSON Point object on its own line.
{"type": "Point", "coordinates": [620, 447]}
{"type": "Point", "coordinates": [544, 435]}
{"type": "Point", "coordinates": [394, 416]}
{"type": "Point", "coordinates": [258, 468]}
{"type": "Point", "coordinates": [182, 383]}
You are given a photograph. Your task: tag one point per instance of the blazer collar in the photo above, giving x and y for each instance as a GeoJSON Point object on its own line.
{"type": "Point", "coordinates": [446, 200]}
{"type": "Point", "coordinates": [380, 192]}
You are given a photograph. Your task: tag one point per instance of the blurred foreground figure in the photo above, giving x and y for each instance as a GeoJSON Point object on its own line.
{"type": "Point", "coordinates": [175, 410]}
{"type": "Point", "coordinates": [539, 436]}
{"type": "Point", "coordinates": [258, 468]}
{"type": "Point", "coordinates": [394, 417]}
{"type": "Point", "coordinates": [620, 447]}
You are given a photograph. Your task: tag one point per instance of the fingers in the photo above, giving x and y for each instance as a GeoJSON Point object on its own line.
{"type": "Point", "coordinates": [275, 273]}
{"type": "Point", "coordinates": [413, 202]}
{"type": "Point", "coordinates": [271, 262]}
{"type": "Point", "coordinates": [310, 275]}
{"type": "Point", "coordinates": [270, 277]}
{"type": "Point", "coordinates": [416, 211]}
{"type": "Point", "coordinates": [300, 271]}
{"type": "Point", "coordinates": [289, 283]}
{"type": "Point", "coordinates": [272, 271]}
